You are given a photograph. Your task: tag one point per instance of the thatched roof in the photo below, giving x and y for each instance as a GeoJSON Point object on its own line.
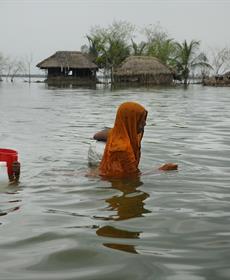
{"type": "Point", "coordinates": [67, 59]}
{"type": "Point", "coordinates": [142, 65]}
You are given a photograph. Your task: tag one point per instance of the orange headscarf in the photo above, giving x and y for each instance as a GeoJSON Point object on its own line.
{"type": "Point", "coordinates": [122, 151]}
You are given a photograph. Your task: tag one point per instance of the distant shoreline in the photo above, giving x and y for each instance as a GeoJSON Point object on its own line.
{"type": "Point", "coordinates": [25, 76]}
{"type": "Point", "coordinates": [193, 80]}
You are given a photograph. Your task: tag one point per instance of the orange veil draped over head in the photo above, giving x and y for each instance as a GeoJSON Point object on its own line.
{"type": "Point", "coordinates": [122, 151]}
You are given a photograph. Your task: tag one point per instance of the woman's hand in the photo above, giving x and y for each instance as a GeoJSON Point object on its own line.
{"type": "Point", "coordinates": [168, 166]}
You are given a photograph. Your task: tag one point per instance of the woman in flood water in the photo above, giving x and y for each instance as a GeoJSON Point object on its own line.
{"type": "Point", "coordinates": [123, 143]}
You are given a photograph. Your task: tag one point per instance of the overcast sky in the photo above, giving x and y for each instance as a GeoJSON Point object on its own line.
{"type": "Point", "coordinates": [41, 27]}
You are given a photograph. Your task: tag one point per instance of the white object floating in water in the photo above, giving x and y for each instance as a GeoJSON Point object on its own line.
{"type": "Point", "coordinates": [95, 152]}
{"type": "Point", "coordinates": [4, 179]}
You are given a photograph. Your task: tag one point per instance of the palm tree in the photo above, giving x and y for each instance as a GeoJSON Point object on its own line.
{"type": "Point", "coordinates": [109, 47]}
{"type": "Point", "coordinates": [116, 52]}
{"type": "Point", "coordinates": [138, 49]}
{"type": "Point", "coordinates": [187, 59]}
{"type": "Point", "coordinates": [95, 48]}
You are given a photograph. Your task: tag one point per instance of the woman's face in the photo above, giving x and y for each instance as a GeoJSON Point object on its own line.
{"type": "Point", "coordinates": [142, 123]}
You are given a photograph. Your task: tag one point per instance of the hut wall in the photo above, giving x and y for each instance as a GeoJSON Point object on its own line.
{"type": "Point", "coordinates": [82, 73]}
{"type": "Point", "coordinates": [54, 72]}
{"type": "Point", "coordinates": [159, 79]}
{"type": "Point", "coordinates": [69, 72]}
{"type": "Point", "coordinates": [65, 81]}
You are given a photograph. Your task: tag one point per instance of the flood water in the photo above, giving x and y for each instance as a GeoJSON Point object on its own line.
{"type": "Point", "coordinates": [61, 224]}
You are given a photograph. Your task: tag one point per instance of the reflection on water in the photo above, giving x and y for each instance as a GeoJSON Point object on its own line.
{"type": "Point", "coordinates": [8, 203]}
{"type": "Point", "coordinates": [60, 224]}
{"type": "Point", "coordinates": [67, 85]}
{"type": "Point", "coordinates": [129, 204]}
{"type": "Point", "coordinates": [110, 231]}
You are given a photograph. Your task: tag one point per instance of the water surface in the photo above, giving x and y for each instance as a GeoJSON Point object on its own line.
{"type": "Point", "coordinates": [60, 224]}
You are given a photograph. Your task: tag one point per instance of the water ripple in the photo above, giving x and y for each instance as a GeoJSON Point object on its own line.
{"type": "Point", "coordinates": [61, 224]}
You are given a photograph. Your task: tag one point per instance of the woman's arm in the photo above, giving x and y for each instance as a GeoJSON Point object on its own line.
{"type": "Point", "coordinates": [164, 167]}
{"type": "Point", "coordinates": [102, 135]}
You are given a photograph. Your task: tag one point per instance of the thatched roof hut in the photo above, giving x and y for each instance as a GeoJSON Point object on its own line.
{"type": "Point", "coordinates": [218, 80]}
{"type": "Point", "coordinates": [69, 65]}
{"type": "Point", "coordinates": [67, 59]}
{"type": "Point", "coordinates": [143, 70]}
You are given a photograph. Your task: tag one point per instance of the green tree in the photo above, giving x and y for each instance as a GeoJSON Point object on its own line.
{"type": "Point", "coordinates": [187, 59]}
{"type": "Point", "coordinates": [109, 46]}
{"type": "Point", "coordinates": [155, 32]}
{"type": "Point", "coordinates": [159, 44]}
{"type": "Point", "coordinates": [138, 49]}
{"type": "Point", "coordinates": [163, 50]}
{"type": "Point", "coordinates": [116, 52]}
{"type": "Point", "coordinates": [96, 47]}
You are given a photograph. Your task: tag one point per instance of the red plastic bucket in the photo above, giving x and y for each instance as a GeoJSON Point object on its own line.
{"type": "Point", "coordinates": [9, 156]}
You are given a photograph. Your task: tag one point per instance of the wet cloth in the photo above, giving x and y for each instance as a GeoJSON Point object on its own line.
{"type": "Point", "coordinates": [122, 151]}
